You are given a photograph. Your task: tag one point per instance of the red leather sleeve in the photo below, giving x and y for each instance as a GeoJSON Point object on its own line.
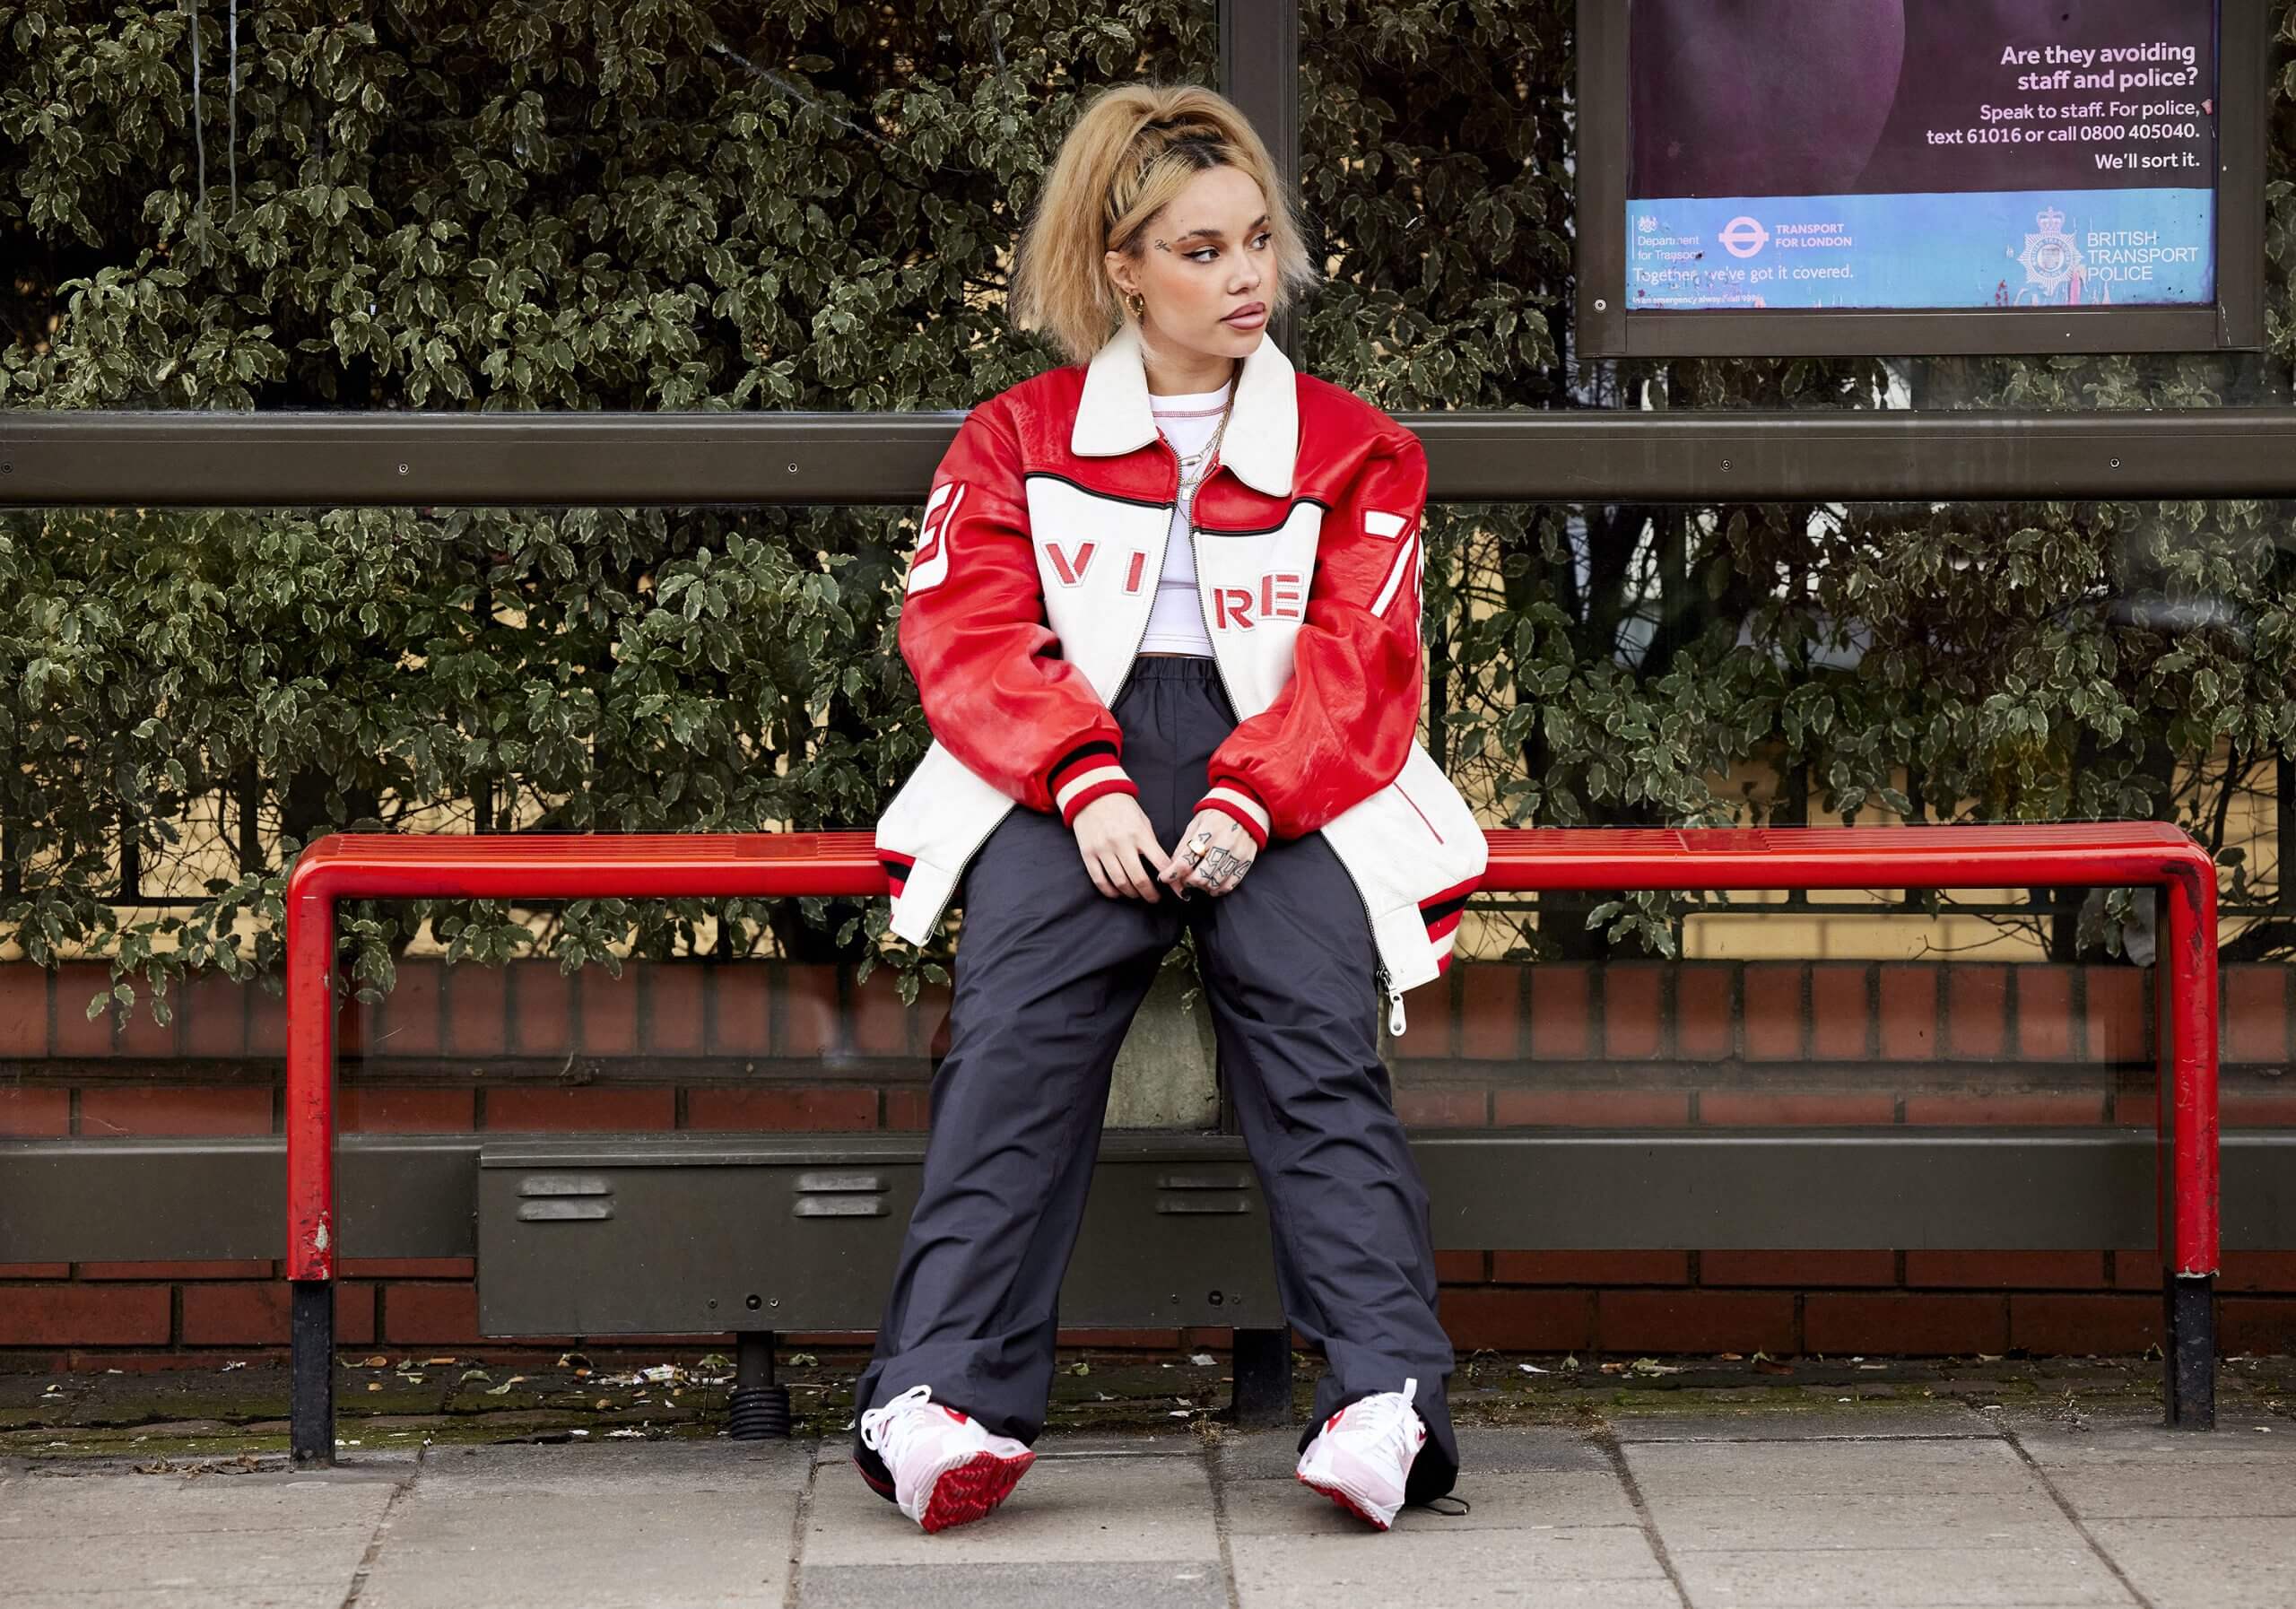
{"type": "Point", "coordinates": [996, 691]}
{"type": "Point", "coordinates": [1342, 726]}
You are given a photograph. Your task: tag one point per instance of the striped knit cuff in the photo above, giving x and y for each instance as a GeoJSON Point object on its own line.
{"type": "Point", "coordinates": [1086, 772]}
{"type": "Point", "coordinates": [1234, 797]}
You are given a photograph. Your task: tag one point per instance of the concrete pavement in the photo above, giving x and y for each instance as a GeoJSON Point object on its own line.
{"type": "Point", "coordinates": [1891, 1503]}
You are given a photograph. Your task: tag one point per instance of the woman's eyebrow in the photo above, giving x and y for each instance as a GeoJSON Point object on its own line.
{"type": "Point", "coordinates": [1215, 234]}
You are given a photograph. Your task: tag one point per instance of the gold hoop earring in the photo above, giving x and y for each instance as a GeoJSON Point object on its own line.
{"type": "Point", "coordinates": [1138, 304]}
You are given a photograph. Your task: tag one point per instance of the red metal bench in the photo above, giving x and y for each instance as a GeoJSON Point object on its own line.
{"type": "Point", "coordinates": [377, 865]}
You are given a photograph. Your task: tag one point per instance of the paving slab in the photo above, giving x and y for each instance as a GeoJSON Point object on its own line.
{"type": "Point", "coordinates": [1274, 1454]}
{"type": "Point", "coordinates": [1109, 1509]}
{"type": "Point", "coordinates": [1542, 1499]}
{"type": "Point", "coordinates": [1760, 1421]}
{"type": "Point", "coordinates": [1598, 1567]}
{"type": "Point", "coordinates": [1190, 1584]}
{"type": "Point", "coordinates": [2188, 1563]}
{"type": "Point", "coordinates": [151, 1539]}
{"type": "Point", "coordinates": [624, 1525]}
{"type": "Point", "coordinates": [1927, 1578]}
{"type": "Point", "coordinates": [1781, 1473]}
{"type": "Point", "coordinates": [2118, 1473]}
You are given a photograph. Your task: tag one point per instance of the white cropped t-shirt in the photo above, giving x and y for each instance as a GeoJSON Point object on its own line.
{"type": "Point", "coordinates": [1176, 617]}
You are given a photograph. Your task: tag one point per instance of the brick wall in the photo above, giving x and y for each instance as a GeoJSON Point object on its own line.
{"type": "Point", "coordinates": [764, 1045]}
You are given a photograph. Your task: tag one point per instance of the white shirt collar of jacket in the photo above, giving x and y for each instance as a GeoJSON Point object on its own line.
{"type": "Point", "coordinates": [1262, 445]}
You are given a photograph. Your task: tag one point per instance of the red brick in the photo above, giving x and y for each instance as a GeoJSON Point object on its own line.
{"type": "Point", "coordinates": [407, 1020]}
{"type": "Point", "coordinates": [109, 1111]}
{"type": "Point", "coordinates": [1976, 1011]}
{"type": "Point", "coordinates": [782, 1109]}
{"type": "Point", "coordinates": [2248, 1108]}
{"type": "Point", "coordinates": [540, 1010]}
{"type": "Point", "coordinates": [75, 1315]}
{"type": "Point", "coordinates": [2137, 1268]}
{"type": "Point", "coordinates": [2006, 1270]}
{"type": "Point", "coordinates": [809, 1009]}
{"type": "Point", "coordinates": [1705, 1027]}
{"type": "Point", "coordinates": [35, 1271]}
{"type": "Point", "coordinates": [1909, 1011]}
{"type": "Point", "coordinates": [23, 1010]}
{"type": "Point", "coordinates": [250, 1314]}
{"type": "Point", "coordinates": [2254, 1004]}
{"type": "Point", "coordinates": [2138, 1109]}
{"type": "Point", "coordinates": [2044, 1012]}
{"type": "Point", "coordinates": [880, 1021]}
{"type": "Point", "coordinates": [741, 1016]}
{"type": "Point", "coordinates": [34, 1113]}
{"type": "Point", "coordinates": [216, 1016]}
{"type": "Point", "coordinates": [1813, 1108]}
{"type": "Point", "coordinates": [2273, 1271]}
{"type": "Point", "coordinates": [409, 1267]}
{"type": "Point", "coordinates": [381, 1109]}
{"type": "Point", "coordinates": [2076, 1324]}
{"type": "Point", "coordinates": [933, 1001]}
{"type": "Point", "coordinates": [1590, 1267]}
{"type": "Point", "coordinates": [2120, 1028]}
{"type": "Point", "coordinates": [1590, 1109]}
{"type": "Point", "coordinates": [1649, 1321]}
{"type": "Point", "coordinates": [1461, 1267]}
{"type": "Point", "coordinates": [76, 1034]}
{"type": "Point", "coordinates": [1893, 1323]}
{"type": "Point", "coordinates": [608, 1008]}
{"type": "Point", "coordinates": [239, 1269]}
{"type": "Point", "coordinates": [1632, 1017]}
{"type": "Point", "coordinates": [478, 1009]}
{"type": "Point", "coordinates": [1421, 1107]}
{"type": "Point", "coordinates": [674, 1014]}
{"type": "Point", "coordinates": [1561, 1026]}
{"type": "Point", "coordinates": [1517, 1320]}
{"type": "Point", "coordinates": [584, 1109]}
{"type": "Point", "coordinates": [1774, 1012]}
{"type": "Point", "coordinates": [1430, 1022]}
{"type": "Point", "coordinates": [430, 1315]}
{"type": "Point", "coordinates": [1491, 1013]}
{"type": "Point", "coordinates": [2057, 1106]}
{"type": "Point", "coordinates": [145, 1038]}
{"type": "Point", "coordinates": [267, 1022]}
{"type": "Point", "coordinates": [908, 1108]}
{"type": "Point", "coordinates": [2257, 1325]}
{"type": "Point", "coordinates": [1842, 1011]}
{"type": "Point", "coordinates": [1804, 1270]}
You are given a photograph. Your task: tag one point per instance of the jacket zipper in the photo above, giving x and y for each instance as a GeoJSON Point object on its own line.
{"type": "Point", "coordinates": [1380, 977]}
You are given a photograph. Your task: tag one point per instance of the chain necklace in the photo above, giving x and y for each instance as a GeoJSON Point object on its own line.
{"type": "Point", "coordinates": [1202, 455]}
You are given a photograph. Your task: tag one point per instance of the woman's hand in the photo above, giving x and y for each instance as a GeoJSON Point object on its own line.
{"type": "Point", "coordinates": [1186, 870]}
{"type": "Point", "coordinates": [1115, 838]}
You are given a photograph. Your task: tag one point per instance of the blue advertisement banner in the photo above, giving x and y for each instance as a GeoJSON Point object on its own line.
{"type": "Point", "coordinates": [2017, 249]}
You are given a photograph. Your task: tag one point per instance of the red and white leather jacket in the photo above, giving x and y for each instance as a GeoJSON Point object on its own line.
{"type": "Point", "coordinates": [1029, 591]}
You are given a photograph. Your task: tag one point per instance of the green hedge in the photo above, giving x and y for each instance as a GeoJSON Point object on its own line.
{"type": "Point", "coordinates": [466, 205]}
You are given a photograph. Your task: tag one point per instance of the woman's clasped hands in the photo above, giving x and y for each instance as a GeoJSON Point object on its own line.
{"type": "Point", "coordinates": [1124, 859]}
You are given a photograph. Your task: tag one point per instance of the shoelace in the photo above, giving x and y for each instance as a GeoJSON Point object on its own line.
{"type": "Point", "coordinates": [1385, 1417]}
{"type": "Point", "coordinates": [884, 1430]}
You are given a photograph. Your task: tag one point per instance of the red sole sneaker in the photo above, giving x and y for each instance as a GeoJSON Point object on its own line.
{"type": "Point", "coordinates": [1343, 1500]}
{"type": "Point", "coordinates": [971, 1489]}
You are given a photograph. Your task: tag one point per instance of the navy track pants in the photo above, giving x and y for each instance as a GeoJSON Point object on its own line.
{"type": "Point", "coordinates": [1049, 973]}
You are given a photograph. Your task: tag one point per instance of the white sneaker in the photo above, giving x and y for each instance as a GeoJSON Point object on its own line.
{"type": "Point", "coordinates": [946, 1469]}
{"type": "Point", "coordinates": [1361, 1457]}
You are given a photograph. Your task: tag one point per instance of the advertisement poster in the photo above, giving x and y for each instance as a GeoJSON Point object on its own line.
{"type": "Point", "coordinates": [1921, 154]}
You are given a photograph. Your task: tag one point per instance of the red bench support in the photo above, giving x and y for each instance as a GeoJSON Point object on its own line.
{"type": "Point", "coordinates": [381, 865]}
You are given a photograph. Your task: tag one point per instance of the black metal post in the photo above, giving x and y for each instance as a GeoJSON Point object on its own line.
{"type": "Point", "coordinates": [1262, 1371]}
{"type": "Point", "coordinates": [2189, 1352]}
{"type": "Point", "coordinates": [310, 1372]}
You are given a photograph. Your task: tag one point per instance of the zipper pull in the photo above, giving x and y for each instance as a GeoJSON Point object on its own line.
{"type": "Point", "coordinates": [1394, 1003]}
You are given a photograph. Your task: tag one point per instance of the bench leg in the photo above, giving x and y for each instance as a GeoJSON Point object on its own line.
{"type": "Point", "coordinates": [310, 1340]}
{"type": "Point", "coordinates": [760, 1409]}
{"type": "Point", "coordinates": [1262, 1371]}
{"type": "Point", "coordinates": [2188, 1350]}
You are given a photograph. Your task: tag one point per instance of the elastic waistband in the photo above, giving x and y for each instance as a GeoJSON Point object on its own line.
{"type": "Point", "coordinates": [1175, 667]}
